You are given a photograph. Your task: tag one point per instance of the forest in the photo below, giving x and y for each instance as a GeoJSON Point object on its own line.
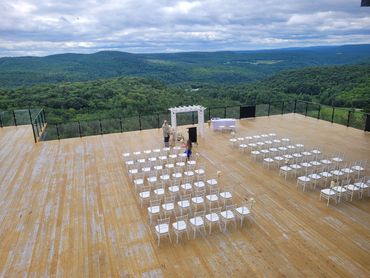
{"type": "Point", "coordinates": [114, 84]}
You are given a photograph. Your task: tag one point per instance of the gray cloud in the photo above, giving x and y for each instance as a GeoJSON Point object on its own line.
{"type": "Point", "coordinates": [42, 27]}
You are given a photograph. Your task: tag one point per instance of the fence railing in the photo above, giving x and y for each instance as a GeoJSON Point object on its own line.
{"type": "Point", "coordinates": [17, 117]}
{"type": "Point", "coordinates": [43, 131]}
{"type": "Point", "coordinates": [38, 125]}
{"type": "Point", "coordinates": [348, 117]}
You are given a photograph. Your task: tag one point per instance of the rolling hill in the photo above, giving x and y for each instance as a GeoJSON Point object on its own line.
{"type": "Point", "coordinates": [227, 67]}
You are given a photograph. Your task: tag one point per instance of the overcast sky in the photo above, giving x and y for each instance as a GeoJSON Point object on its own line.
{"type": "Point", "coordinates": [42, 27]}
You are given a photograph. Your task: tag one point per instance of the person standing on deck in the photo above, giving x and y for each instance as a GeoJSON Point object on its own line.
{"type": "Point", "coordinates": [166, 133]}
{"type": "Point", "coordinates": [188, 150]}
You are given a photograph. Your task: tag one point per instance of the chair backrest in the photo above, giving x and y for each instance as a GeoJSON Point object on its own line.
{"type": "Point", "coordinates": [155, 202]}
{"type": "Point", "coordinates": [231, 207]}
{"type": "Point", "coordinates": [346, 182]}
{"type": "Point", "coordinates": [185, 197]}
{"type": "Point", "coordinates": [162, 221]}
{"type": "Point", "coordinates": [175, 182]}
{"type": "Point", "coordinates": [152, 174]}
{"type": "Point", "coordinates": [359, 180]}
{"type": "Point", "coordinates": [200, 192]}
{"type": "Point", "coordinates": [188, 179]}
{"type": "Point", "coordinates": [158, 184]}
{"type": "Point", "coordinates": [215, 210]}
{"type": "Point", "coordinates": [182, 218]}
{"type": "Point", "coordinates": [145, 188]}
{"type": "Point", "coordinates": [199, 213]}
{"type": "Point", "coordinates": [169, 199]}
{"type": "Point", "coordinates": [214, 191]}
{"type": "Point", "coordinates": [139, 175]}
{"type": "Point", "coordinates": [165, 172]}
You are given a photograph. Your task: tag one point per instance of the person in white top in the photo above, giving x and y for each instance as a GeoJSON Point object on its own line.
{"type": "Point", "coordinates": [166, 133]}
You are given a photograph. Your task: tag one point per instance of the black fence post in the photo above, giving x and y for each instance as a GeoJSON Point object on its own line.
{"type": "Point", "coordinates": [120, 124]}
{"type": "Point", "coordinates": [39, 123]}
{"type": "Point", "coordinates": [209, 113]}
{"type": "Point", "coordinates": [1, 121]}
{"type": "Point", "coordinates": [101, 128]}
{"type": "Point", "coordinates": [318, 112]}
{"type": "Point", "coordinates": [367, 122]}
{"type": "Point", "coordinates": [43, 115]}
{"type": "Point", "coordinates": [224, 112]}
{"type": "Point", "coordinates": [29, 113]}
{"type": "Point", "coordinates": [37, 129]}
{"type": "Point", "coordinates": [79, 129]}
{"type": "Point", "coordinates": [282, 108]}
{"type": "Point", "coordinates": [332, 115]}
{"type": "Point", "coordinates": [295, 106]}
{"type": "Point", "coordinates": [193, 117]}
{"type": "Point", "coordinates": [349, 117]}
{"type": "Point", "coordinates": [140, 122]}
{"type": "Point", "coordinates": [14, 118]}
{"type": "Point", "coordinates": [268, 111]}
{"type": "Point", "coordinates": [158, 120]}
{"type": "Point", "coordinates": [56, 126]}
{"type": "Point", "coordinates": [306, 109]}
{"type": "Point", "coordinates": [43, 118]}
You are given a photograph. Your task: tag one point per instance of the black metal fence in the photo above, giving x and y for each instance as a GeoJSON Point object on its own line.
{"type": "Point", "coordinates": [42, 131]}
{"type": "Point", "coordinates": [348, 117]}
{"type": "Point", "coordinates": [17, 117]}
{"type": "Point", "coordinates": [38, 125]}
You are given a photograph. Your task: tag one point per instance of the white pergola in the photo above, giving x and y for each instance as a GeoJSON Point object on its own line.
{"type": "Point", "coordinates": [191, 108]}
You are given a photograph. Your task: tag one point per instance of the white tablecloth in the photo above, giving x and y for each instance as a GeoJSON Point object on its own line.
{"type": "Point", "coordinates": [222, 122]}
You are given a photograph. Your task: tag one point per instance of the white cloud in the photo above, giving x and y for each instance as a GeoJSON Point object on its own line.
{"type": "Point", "coordinates": [48, 26]}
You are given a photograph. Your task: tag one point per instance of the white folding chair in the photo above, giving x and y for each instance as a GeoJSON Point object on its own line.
{"type": "Point", "coordinates": [184, 204]}
{"type": "Point", "coordinates": [341, 189]}
{"type": "Point", "coordinates": [213, 217]}
{"type": "Point", "coordinates": [168, 205]}
{"type": "Point", "coordinates": [144, 195]}
{"type": "Point", "coordinates": [162, 229]}
{"type": "Point", "coordinates": [180, 226]}
{"type": "Point", "coordinates": [329, 193]}
{"type": "Point", "coordinates": [197, 222]}
{"type": "Point", "coordinates": [226, 194]}
{"type": "Point", "coordinates": [244, 210]}
{"type": "Point", "coordinates": [359, 167]}
{"type": "Point", "coordinates": [198, 199]}
{"type": "Point", "coordinates": [363, 185]}
{"type": "Point", "coordinates": [285, 170]}
{"type": "Point", "coordinates": [212, 197]}
{"type": "Point", "coordinates": [228, 215]}
{"type": "Point", "coordinates": [303, 181]}
{"type": "Point", "coordinates": [154, 209]}
{"type": "Point", "coordinates": [352, 189]}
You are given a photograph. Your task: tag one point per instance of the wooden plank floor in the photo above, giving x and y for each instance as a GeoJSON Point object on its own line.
{"type": "Point", "coordinates": [67, 210]}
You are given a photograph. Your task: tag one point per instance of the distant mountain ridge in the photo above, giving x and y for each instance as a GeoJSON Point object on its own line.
{"type": "Point", "coordinates": [223, 67]}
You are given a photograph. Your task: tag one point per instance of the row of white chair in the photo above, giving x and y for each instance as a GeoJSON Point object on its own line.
{"type": "Point", "coordinates": [347, 189]}
{"type": "Point", "coordinates": [200, 219]}
{"type": "Point", "coordinates": [155, 152]}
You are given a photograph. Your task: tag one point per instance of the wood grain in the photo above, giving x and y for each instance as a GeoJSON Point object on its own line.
{"type": "Point", "coordinates": [67, 209]}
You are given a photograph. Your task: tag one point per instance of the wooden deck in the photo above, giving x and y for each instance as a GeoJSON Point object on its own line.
{"type": "Point", "coordinates": [67, 210]}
